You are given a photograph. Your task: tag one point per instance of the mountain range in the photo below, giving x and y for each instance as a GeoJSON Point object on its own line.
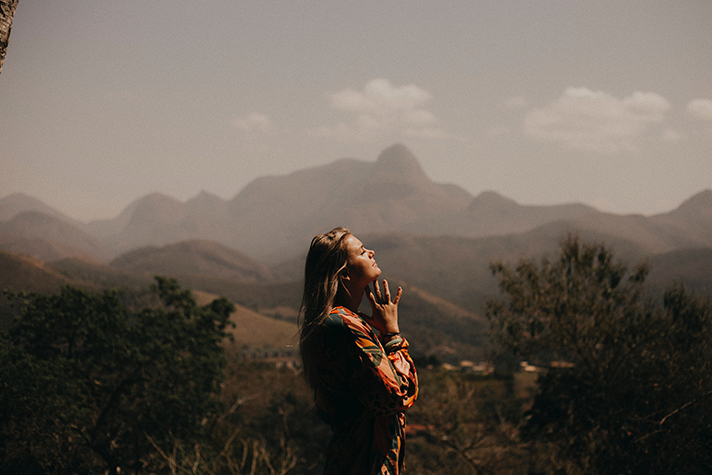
{"type": "Point", "coordinates": [275, 217]}
{"type": "Point", "coordinates": [426, 235]}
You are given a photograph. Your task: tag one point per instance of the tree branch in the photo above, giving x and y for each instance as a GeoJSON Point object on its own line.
{"type": "Point", "coordinates": [7, 13]}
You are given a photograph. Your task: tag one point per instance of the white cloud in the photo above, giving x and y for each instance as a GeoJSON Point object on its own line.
{"type": "Point", "coordinates": [379, 96]}
{"type": "Point", "coordinates": [700, 108]}
{"type": "Point", "coordinates": [517, 102]}
{"type": "Point", "coordinates": [253, 122]}
{"type": "Point", "coordinates": [382, 108]}
{"type": "Point", "coordinates": [595, 120]}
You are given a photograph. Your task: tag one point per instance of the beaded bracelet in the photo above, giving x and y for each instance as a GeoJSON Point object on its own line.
{"type": "Point", "coordinates": [389, 346]}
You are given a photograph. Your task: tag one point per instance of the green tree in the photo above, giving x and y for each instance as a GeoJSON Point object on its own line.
{"type": "Point", "coordinates": [87, 385]}
{"type": "Point", "coordinates": [628, 384]}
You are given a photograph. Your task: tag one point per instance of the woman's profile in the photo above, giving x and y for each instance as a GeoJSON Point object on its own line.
{"type": "Point", "coordinates": [358, 365]}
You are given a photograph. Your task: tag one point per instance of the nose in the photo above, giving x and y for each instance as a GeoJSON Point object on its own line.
{"type": "Point", "coordinates": [371, 253]}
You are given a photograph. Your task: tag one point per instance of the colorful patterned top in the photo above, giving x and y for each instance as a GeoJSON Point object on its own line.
{"type": "Point", "coordinates": [362, 390]}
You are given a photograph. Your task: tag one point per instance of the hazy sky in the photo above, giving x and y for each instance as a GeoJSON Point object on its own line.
{"type": "Point", "coordinates": [602, 102]}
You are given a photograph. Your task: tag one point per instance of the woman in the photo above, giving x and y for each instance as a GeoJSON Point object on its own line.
{"type": "Point", "coordinates": [358, 365]}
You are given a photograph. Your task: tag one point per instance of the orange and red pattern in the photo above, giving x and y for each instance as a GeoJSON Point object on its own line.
{"type": "Point", "coordinates": [363, 390]}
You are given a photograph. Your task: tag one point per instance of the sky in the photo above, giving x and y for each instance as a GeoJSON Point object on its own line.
{"type": "Point", "coordinates": [601, 102]}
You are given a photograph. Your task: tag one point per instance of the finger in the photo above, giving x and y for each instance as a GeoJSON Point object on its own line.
{"type": "Point", "coordinates": [377, 290]}
{"type": "Point", "coordinates": [399, 292]}
{"type": "Point", "coordinates": [371, 298]}
{"type": "Point", "coordinates": [386, 291]}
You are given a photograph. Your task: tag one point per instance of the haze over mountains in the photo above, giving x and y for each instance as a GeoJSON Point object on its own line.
{"type": "Point", "coordinates": [391, 200]}
{"type": "Point", "coordinates": [436, 240]}
{"type": "Point", "coordinates": [274, 217]}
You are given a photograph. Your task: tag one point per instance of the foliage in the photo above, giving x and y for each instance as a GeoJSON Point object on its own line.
{"type": "Point", "coordinates": [90, 382]}
{"type": "Point", "coordinates": [87, 385]}
{"type": "Point", "coordinates": [270, 427]}
{"type": "Point", "coordinates": [464, 424]}
{"type": "Point", "coordinates": [629, 385]}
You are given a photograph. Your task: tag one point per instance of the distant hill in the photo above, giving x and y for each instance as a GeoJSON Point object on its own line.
{"type": "Point", "coordinates": [158, 220]}
{"type": "Point", "coordinates": [491, 214]}
{"type": "Point", "coordinates": [254, 330]}
{"type": "Point", "coordinates": [694, 216]}
{"type": "Point", "coordinates": [266, 311]}
{"type": "Point", "coordinates": [445, 321]}
{"type": "Point", "coordinates": [95, 276]}
{"type": "Point", "coordinates": [198, 257]}
{"type": "Point", "coordinates": [457, 269]}
{"type": "Point", "coordinates": [51, 238]}
{"type": "Point", "coordinates": [42, 249]}
{"type": "Point", "coordinates": [23, 273]}
{"type": "Point", "coordinates": [692, 267]}
{"type": "Point", "coordinates": [16, 203]}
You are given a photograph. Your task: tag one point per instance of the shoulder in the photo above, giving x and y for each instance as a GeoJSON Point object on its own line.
{"type": "Point", "coordinates": [336, 317]}
{"type": "Point", "coordinates": [342, 317]}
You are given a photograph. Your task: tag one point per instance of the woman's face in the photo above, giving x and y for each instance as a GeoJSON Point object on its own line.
{"type": "Point", "coordinates": [361, 266]}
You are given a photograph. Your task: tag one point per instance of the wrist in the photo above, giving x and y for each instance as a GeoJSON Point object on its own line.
{"type": "Point", "coordinates": [391, 342]}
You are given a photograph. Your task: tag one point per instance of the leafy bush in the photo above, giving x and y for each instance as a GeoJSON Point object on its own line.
{"type": "Point", "coordinates": [86, 385]}
{"type": "Point", "coordinates": [632, 390]}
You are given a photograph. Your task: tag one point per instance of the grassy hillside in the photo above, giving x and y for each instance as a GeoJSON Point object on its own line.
{"type": "Point", "coordinates": [23, 273]}
{"type": "Point", "coordinates": [446, 281]}
{"type": "Point", "coordinates": [436, 327]}
{"type": "Point", "coordinates": [433, 325]}
{"type": "Point", "coordinates": [267, 312]}
{"type": "Point", "coordinates": [254, 330]}
{"type": "Point", "coordinates": [92, 275]}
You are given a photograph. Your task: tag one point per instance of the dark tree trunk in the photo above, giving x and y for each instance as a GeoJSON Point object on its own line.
{"type": "Point", "coordinates": [7, 12]}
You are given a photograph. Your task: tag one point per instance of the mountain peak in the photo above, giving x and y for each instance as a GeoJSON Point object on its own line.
{"type": "Point", "coordinates": [204, 198]}
{"type": "Point", "coordinates": [398, 158]}
{"type": "Point", "coordinates": [703, 198]}
{"type": "Point", "coordinates": [398, 165]}
{"type": "Point", "coordinates": [696, 206]}
{"type": "Point", "coordinates": [490, 197]}
{"type": "Point", "coordinates": [204, 204]}
{"type": "Point", "coordinates": [157, 197]}
{"type": "Point", "coordinates": [156, 208]}
{"type": "Point", "coordinates": [16, 203]}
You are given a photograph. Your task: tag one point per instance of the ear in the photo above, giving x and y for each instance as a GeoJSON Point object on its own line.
{"type": "Point", "coordinates": [344, 274]}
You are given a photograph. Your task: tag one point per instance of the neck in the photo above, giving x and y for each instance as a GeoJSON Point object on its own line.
{"type": "Point", "coordinates": [349, 298]}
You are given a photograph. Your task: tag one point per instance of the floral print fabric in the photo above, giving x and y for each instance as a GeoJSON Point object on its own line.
{"type": "Point", "coordinates": [363, 390]}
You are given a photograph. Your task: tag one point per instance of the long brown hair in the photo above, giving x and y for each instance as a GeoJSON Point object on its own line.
{"type": "Point", "coordinates": [326, 259]}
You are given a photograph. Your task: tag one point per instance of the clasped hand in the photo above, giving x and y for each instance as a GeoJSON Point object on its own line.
{"type": "Point", "coordinates": [384, 312]}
